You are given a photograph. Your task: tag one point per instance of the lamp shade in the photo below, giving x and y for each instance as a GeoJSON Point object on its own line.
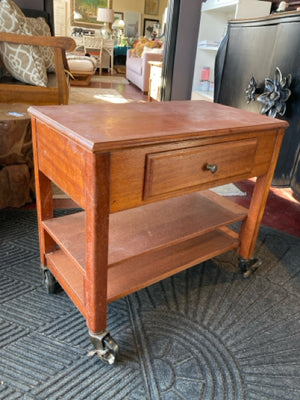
{"type": "Point", "coordinates": [118, 24]}
{"type": "Point", "coordinates": [105, 15]}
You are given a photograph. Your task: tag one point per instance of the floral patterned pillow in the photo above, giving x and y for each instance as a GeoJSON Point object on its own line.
{"type": "Point", "coordinates": [23, 62]}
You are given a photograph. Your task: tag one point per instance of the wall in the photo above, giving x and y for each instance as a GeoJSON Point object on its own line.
{"type": "Point", "coordinates": [45, 6]}
{"type": "Point", "coordinates": [138, 6]}
{"type": "Point", "coordinates": [33, 4]}
{"type": "Point", "coordinates": [63, 22]}
{"type": "Point", "coordinates": [185, 49]}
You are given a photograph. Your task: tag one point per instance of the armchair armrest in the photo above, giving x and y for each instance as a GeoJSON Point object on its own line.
{"type": "Point", "coordinates": [149, 56]}
{"type": "Point", "coordinates": [59, 44]}
{"type": "Point", "coordinates": [66, 43]}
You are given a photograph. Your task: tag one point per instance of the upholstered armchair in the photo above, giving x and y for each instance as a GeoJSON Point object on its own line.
{"type": "Point", "coordinates": [33, 63]}
{"type": "Point", "coordinates": [33, 71]}
{"type": "Point", "coordinates": [56, 90]}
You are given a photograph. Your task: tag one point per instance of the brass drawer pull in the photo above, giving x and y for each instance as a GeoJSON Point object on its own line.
{"type": "Point", "coordinates": [212, 167]}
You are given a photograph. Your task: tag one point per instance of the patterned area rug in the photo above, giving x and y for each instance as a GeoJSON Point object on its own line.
{"type": "Point", "coordinates": [228, 190]}
{"type": "Point", "coordinates": [95, 95]}
{"type": "Point", "coordinates": [205, 333]}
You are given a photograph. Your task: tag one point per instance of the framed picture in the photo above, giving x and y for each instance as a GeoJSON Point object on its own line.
{"type": "Point", "coordinates": [84, 12]}
{"type": "Point", "coordinates": [118, 15]}
{"type": "Point", "coordinates": [148, 26]}
{"type": "Point", "coordinates": [151, 7]}
{"type": "Point", "coordinates": [132, 24]}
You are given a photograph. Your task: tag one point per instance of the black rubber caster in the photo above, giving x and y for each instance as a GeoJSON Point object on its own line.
{"type": "Point", "coordinates": [105, 346]}
{"type": "Point", "coordinates": [248, 266]}
{"type": "Point", "coordinates": [49, 281]}
{"type": "Point", "coordinates": [111, 345]}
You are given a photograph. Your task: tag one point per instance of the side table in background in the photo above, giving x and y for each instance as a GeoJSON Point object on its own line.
{"type": "Point", "coordinates": [16, 159]}
{"type": "Point", "coordinates": [120, 54]}
{"type": "Point", "coordinates": [155, 80]}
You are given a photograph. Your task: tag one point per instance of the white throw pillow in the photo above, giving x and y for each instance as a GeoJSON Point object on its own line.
{"type": "Point", "coordinates": [24, 62]}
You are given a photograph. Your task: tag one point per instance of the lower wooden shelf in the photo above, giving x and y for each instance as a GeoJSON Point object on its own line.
{"type": "Point", "coordinates": [69, 277]}
{"type": "Point", "coordinates": [146, 244]}
{"type": "Point", "coordinates": [132, 274]}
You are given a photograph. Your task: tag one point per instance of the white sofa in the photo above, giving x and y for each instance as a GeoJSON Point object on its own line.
{"type": "Point", "coordinates": [138, 68]}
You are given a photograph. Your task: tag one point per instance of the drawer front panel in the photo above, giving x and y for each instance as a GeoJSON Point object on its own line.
{"type": "Point", "coordinates": [184, 169]}
{"type": "Point", "coordinates": [155, 72]}
{"type": "Point", "coordinates": [62, 161]}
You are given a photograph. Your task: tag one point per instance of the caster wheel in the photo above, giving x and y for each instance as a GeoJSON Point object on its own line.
{"type": "Point", "coordinates": [50, 282]}
{"type": "Point", "coordinates": [111, 346]}
{"type": "Point", "coordinates": [249, 266]}
{"type": "Point", "coordinates": [105, 346]}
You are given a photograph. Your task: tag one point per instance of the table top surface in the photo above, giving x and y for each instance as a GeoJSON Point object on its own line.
{"type": "Point", "coordinates": [99, 127]}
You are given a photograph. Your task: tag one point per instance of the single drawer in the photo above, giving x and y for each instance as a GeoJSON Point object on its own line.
{"type": "Point", "coordinates": [155, 72]}
{"type": "Point", "coordinates": [186, 169]}
{"type": "Point", "coordinates": [57, 165]}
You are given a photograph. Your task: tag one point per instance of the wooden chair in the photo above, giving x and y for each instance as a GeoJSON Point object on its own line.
{"type": "Point", "coordinates": [94, 46]}
{"type": "Point", "coordinates": [108, 48]}
{"type": "Point", "coordinates": [57, 91]}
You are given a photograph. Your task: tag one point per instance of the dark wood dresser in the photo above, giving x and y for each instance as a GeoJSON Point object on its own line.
{"type": "Point", "coordinates": [255, 48]}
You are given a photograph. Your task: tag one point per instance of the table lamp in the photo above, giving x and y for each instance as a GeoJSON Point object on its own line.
{"type": "Point", "coordinates": [105, 15]}
{"type": "Point", "coordinates": [119, 26]}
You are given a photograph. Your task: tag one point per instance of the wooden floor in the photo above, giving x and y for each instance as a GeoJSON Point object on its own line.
{"type": "Point", "coordinates": [283, 209]}
{"type": "Point", "coordinates": [130, 91]}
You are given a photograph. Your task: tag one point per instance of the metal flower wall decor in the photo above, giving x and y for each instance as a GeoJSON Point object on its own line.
{"type": "Point", "coordinates": [251, 90]}
{"type": "Point", "coordinates": [274, 95]}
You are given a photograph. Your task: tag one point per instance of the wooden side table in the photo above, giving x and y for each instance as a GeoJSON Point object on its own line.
{"type": "Point", "coordinates": [120, 54]}
{"type": "Point", "coordinates": [148, 213]}
{"type": "Point", "coordinates": [155, 80]}
{"type": "Point", "coordinates": [16, 158]}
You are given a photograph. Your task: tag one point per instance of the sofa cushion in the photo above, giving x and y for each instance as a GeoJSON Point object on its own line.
{"type": "Point", "coordinates": [81, 63]}
{"type": "Point", "coordinates": [24, 62]}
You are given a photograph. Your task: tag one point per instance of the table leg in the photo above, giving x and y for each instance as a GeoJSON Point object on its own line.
{"type": "Point", "coordinates": [97, 228]}
{"type": "Point", "coordinates": [250, 227]}
{"type": "Point", "coordinates": [44, 201]}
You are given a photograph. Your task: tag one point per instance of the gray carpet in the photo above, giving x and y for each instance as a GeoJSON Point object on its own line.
{"type": "Point", "coordinates": [205, 333]}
